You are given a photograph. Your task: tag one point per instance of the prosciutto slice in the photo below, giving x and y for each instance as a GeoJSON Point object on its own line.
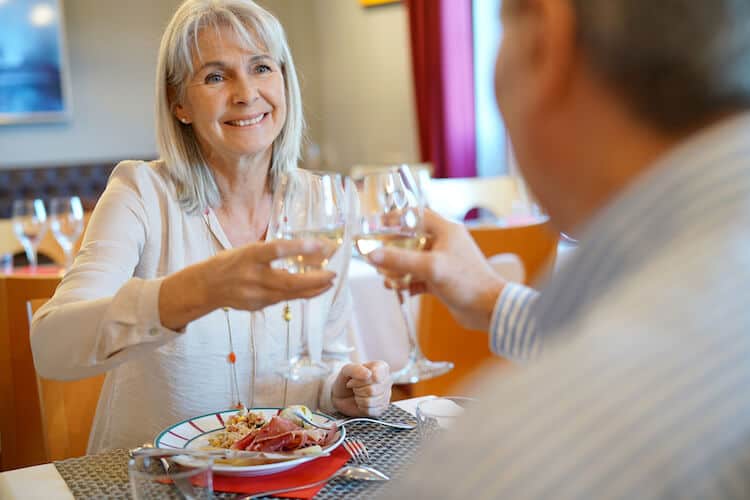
{"type": "Point", "coordinates": [280, 434]}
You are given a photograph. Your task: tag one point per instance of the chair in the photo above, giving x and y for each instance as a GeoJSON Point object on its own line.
{"type": "Point", "coordinates": [442, 338]}
{"type": "Point", "coordinates": [20, 418]}
{"type": "Point", "coordinates": [67, 409]}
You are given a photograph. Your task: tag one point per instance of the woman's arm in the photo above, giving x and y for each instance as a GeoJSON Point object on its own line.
{"type": "Point", "coordinates": [101, 315]}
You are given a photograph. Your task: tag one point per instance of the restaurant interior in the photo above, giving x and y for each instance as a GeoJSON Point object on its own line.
{"type": "Point", "coordinates": [380, 88]}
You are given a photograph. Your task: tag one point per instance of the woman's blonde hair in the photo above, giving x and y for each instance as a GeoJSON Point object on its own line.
{"type": "Point", "coordinates": [178, 145]}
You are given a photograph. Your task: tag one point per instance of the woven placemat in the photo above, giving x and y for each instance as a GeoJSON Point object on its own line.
{"type": "Point", "coordinates": [106, 475]}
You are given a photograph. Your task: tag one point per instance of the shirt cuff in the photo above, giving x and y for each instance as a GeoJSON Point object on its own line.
{"type": "Point", "coordinates": [513, 327]}
{"type": "Point", "coordinates": [134, 317]}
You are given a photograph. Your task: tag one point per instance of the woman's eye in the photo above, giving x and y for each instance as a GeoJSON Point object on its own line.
{"type": "Point", "coordinates": [214, 78]}
{"type": "Point", "coordinates": [263, 68]}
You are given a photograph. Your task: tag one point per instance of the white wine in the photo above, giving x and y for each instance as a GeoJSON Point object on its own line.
{"type": "Point", "coordinates": [366, 243]}
{"type": "Point", "coordinates": [331, 239]}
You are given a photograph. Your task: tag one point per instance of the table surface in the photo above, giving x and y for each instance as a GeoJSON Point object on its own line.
{"type": "Point", "coordinates": [44, 482]}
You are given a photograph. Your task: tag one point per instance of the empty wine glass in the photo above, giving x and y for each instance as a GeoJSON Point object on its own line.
{"type": "Point", "coordinates": [391, 214]}
{"type": "Point", "coordinates": [66, 221]}
{"type": "Point", "coordinates": [308, 205]}
{"type": "Point", "coordinates": [29, 225]}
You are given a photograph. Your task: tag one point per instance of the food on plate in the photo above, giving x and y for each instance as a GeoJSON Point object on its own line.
{"type": "Point", "coordinates": [252, 432]}
{"type": "Point", "coordinates": [290, 413]}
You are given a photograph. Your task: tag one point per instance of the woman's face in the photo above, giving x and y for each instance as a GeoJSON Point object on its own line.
{"type": "Point", "coordinates": [235, 99]}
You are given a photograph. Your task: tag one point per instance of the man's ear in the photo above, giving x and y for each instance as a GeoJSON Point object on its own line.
{"type": "Point", "coordinates": [552, 37]}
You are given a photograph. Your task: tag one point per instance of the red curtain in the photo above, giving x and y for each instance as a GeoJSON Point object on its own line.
{"type": "Point", "coordinates": [443, 66]}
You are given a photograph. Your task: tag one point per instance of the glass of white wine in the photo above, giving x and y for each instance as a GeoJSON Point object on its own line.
{"type": "Point", "coordinates": [66, 221]}
{"type": "Point", "coordinates": [391, 212]}
{"type": "Point", "coordinates": [29, 225]}
{"type": "Point", "coordinates": [308, 205]}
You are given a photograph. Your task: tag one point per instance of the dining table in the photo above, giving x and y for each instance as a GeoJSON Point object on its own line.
{"type": "Point", "coordinates": [105, 475]}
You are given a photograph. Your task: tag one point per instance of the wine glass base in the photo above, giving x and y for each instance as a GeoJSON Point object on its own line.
{"type": "Point", "coordinates": [305, 369]}
{"type": "Point", "coordinates": [422, 369]}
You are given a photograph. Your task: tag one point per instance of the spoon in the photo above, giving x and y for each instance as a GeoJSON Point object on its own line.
{"type": "Point", "coordinates": [344, 421]}
{"type": "Point", "coordinates": [348, 473]}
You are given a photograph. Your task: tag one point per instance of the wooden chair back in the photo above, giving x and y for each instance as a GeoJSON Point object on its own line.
{"type": "Point", "coordinates": [442, 338]}
{"type": "Point", "coordinates": [20, 415]}
{"type": "Point", "coordinates": [67, 409]}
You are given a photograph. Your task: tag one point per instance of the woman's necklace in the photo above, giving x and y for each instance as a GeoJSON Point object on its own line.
{"type": "Point", "coordinates": [232, 356]}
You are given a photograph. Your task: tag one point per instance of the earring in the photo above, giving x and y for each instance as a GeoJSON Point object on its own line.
{"type": "Point", "coordinates": [184, 120]}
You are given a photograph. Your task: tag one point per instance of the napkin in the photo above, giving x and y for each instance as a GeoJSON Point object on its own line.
{"type": "Point", "coordinates": [308, 472]}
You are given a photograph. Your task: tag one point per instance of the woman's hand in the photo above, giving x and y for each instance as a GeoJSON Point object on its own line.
{"type": "Point", "coordinates": [362, 389]}
{"type": "Point", "coordinates": [241, 278]}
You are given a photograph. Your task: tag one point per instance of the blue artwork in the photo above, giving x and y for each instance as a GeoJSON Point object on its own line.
{"type": "Point", "coordinates": [33, 80]}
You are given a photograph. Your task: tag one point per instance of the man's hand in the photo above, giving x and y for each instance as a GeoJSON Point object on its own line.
{"type": "Point", "coordinates": [454, 269]}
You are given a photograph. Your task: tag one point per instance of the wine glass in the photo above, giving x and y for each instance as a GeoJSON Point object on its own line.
{"type": "Point", "coordinates": [66, 221]}
{"type": "Point", "coordinates": [29, 224]}
{"type": "Point", "coordinates": [390, 214]}
{"type": "Point", "coordinates": [308, 205]}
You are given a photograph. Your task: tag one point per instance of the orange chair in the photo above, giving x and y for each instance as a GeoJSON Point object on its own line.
{"type": "Point", "coordinates": [442, 338]}
{"type": "Point", "coordinates": [20, 418]}
{"type": "Point", "coordinates": [67, 409]}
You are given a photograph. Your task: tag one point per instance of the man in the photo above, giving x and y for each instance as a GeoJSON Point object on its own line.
{"type": "Point", "coordinates": [629, 121]}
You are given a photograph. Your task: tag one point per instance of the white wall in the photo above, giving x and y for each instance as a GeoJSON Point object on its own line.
{"type": "Point", "coordinates": [112, 49]}
{"type": "Point", "coordinates": [357, 79]}
{"type": "Point", "coordinates": [366, 109]}
{"type": "Point", "coordinates": [354, 65]}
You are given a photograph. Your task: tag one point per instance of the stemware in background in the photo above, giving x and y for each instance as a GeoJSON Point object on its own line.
{"type": "Point", "coordinates": [66, 221]}
{"type": "Point", "coordinates": [391, 214]}
{"type": "Point", "coordinates": [29, 224]}
{"type": "Point", "coordinates": [308, 205]}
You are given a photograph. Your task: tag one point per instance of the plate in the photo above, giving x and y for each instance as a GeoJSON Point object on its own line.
{"type": "Point", "coordinates": [195, 432]}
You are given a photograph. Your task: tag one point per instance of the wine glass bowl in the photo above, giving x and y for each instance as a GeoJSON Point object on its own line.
{"type": "Point", "coordinates": [66, 221]}
{"type": "Point", "coordinates": [391, 213]}
{"type": "Point", "coordinates": [308, 205]}
{"type": "Point", "coordinates": [29, 225]}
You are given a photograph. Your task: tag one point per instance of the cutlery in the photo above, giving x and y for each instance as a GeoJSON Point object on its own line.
{"type": "Point", "coordinates": [219, 453]}
{"type": "Point", "coordinates": [345, 421]}
{"type": "Point", "coordinates": [357, 450]}
{"type": "Point", "coordinates": [348, 473]}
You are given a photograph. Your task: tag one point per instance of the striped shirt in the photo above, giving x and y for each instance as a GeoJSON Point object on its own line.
{"type": "Point", "coordinates": [644, 388]}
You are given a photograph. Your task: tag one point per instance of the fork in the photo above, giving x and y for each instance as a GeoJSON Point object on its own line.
{"type": "Point", "coordinates": [357, 450]}
{"type": "Point", "coordinates": [343, 421]}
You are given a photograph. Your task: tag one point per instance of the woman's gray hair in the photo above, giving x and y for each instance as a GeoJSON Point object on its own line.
{"type": "Point", "coordinates": [178, 145]}
{"type": "Point", "coordinates": [677, 63]}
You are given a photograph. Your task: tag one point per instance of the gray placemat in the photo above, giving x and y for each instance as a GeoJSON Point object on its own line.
{"type": "Point", "coordinates": [106, 475]}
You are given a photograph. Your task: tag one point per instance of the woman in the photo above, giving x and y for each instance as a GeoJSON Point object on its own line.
{"type": "Point", "coordinates": [173, 288]}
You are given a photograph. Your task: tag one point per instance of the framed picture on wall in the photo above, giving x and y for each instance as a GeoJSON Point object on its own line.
{"type": "Point", "coordinates": [34, 79]}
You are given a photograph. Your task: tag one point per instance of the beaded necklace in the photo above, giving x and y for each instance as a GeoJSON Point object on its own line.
{"type": "Point", "coordinates": [232, 356]}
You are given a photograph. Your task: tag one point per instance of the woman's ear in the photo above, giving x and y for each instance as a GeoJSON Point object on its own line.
{"type": "Point", "coordinates": [178, 110]}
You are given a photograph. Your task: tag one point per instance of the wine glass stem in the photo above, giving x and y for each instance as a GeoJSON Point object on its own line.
{"type": "Point", "coordinates": [68, 257]}
{"type": "Point", "coordinates": [415, 353]}
{"type": "Point", "coordinates": [30, 255]}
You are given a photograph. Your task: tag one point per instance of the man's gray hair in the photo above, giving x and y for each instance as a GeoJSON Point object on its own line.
{"type": "Point", "coordinates": [677, 63]}
{"type": "Point", "coordinates": [178, 146]}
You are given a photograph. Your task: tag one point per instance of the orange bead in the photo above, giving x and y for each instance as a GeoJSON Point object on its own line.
{"type": "Point", "coordinates": [239, 406]}
{"type": "Point", "coordinates": [232, 358]}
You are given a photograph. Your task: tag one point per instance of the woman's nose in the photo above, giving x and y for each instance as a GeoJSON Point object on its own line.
{"type": "Point", "coordinates": [245, 91]}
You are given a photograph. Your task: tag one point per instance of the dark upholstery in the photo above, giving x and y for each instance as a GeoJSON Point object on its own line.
{"type": "Point", "coordinates": [84, 181]}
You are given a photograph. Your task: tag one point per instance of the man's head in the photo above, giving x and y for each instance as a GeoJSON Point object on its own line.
{"type": "Point", "coordinates": [593, 90]}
